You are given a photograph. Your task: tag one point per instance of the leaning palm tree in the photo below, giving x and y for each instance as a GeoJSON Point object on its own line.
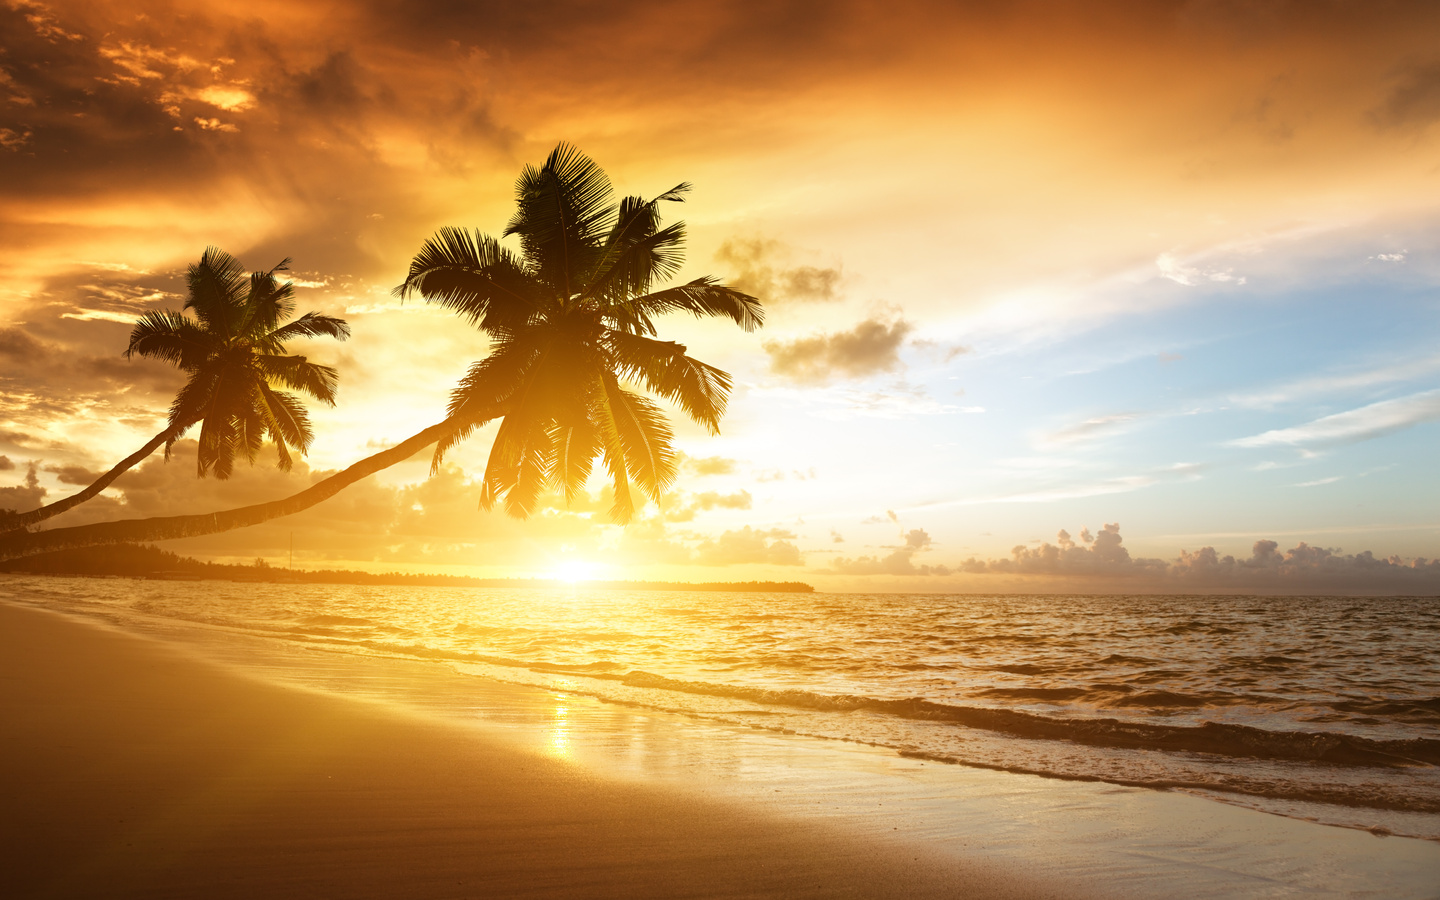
{"type": "Point", "coordinates": [571, 319]}
{"type": "Point", "coordinates": [571, 323]}
{"type": "Point", "coordinates": [233, 352]}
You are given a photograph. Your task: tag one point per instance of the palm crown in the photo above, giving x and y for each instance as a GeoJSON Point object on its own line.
{"type": "Point", "coordinates": [571, 320]}
{"type": "Point", "coordinates": [233, 349]}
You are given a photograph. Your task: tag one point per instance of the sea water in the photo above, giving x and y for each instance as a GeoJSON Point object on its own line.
{"type": "Point", "coordinates": [1319, 707]}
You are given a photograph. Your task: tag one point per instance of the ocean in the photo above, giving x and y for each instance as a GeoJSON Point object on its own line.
{"type": "Point", "coordinates": [1320, 708]}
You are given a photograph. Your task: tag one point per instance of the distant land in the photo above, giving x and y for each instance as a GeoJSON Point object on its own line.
{"type": "Point", "coordinates": [148, 561]}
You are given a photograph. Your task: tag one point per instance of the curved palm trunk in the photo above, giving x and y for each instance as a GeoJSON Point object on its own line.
{"type": "Point", "coordinates": [26, 519]}
{"type": "Point", "coordinates": [165, 528]}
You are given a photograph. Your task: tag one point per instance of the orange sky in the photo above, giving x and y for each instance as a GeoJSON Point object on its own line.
{"type": "Point", "coordinates": [928, 180]}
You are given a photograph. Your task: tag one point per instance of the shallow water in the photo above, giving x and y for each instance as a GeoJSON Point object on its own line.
{"type": "Point", "coordinates": [1327, 708]}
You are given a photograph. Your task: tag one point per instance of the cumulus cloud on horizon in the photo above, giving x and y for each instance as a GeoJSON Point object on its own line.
{"type": "Point", "coordinates": [900, 560]}
{"type": "Point", "coordinates": [1102, 557]}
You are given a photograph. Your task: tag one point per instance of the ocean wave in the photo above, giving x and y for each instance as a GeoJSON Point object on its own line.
{"type": "Point", "coordinates": [1217, 738]}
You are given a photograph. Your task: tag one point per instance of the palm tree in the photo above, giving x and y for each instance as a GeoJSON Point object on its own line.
{"type": "Point", "coordinates": [570, 319]}
{"type": "Point", "coordinates": [233, 352]}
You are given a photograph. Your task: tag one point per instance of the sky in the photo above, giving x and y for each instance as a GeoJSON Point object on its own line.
{"type": "Point", "coordinates": [1064, 296]}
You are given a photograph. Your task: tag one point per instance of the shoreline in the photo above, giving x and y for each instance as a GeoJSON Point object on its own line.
{"type": "Point", "coordinates": [133, 769]}
{"type": "Point", "coordinates": [929, 827]}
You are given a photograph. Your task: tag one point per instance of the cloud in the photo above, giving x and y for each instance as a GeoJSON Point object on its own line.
{"type": "Point", "coordinates": [755, 268]}
{"type": "Point", "coordinates": [1098, 554]}
{"type": "Point", "coordinates": [1414, 101]}
{"type": "Point", "coordinates": [1101, 558]}
{"type": "Point", "coordinates": [774, 547]}
{"type": "Point", "coordinates": [78, 475]}
{"type": "Point", "coordinates": [1119, 485]}
{"type": "Point", "coordinates": [1352, 426]}
{"type": "Point", "coordinates": [24, 497]}
{"type": "Point", "coordinates": [869, 348]}
{"type": "Point", "coordinates": [1189, 275]}
{"type": "Point", "coordinates": [682, 507]}
{"type": "Point", "coordinates": [900, 561]}
{"type": "Point", "coordinates": [1333, 384]}
{"type": "Point", "coordinates": [709, 465]}
{"type": "Point", "coordinates": [897, 401]}
{"type": "Point", "coordinates": [1092, 428]}
{"type": "Point", "coordinates": [6, 464]}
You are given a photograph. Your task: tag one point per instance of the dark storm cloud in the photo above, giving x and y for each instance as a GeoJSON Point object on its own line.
{"type": "Point", "coordinates": [869, 348]}
{"type": "Point", "coordinates": [6, 464]}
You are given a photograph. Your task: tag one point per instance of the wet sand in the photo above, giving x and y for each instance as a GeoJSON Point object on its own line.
{"type": "Point", "coordinates": [132, 769]}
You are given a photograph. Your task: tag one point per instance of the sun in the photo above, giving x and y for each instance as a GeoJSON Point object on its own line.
{"type": "Point", "coordinates": [573, 571]}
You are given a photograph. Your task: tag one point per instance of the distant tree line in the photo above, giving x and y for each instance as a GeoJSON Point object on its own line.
{"type": "Point", "coordinates": [148, 561]}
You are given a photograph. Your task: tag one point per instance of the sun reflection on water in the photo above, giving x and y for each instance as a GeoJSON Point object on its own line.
{"type": "Point", "coordinates": [559, 738]}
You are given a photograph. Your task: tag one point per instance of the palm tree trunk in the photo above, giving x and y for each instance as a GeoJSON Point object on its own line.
{"type": "Point", "coordinates": [17, 521]}
{"type": "Point", "coordinates": [164, 528]}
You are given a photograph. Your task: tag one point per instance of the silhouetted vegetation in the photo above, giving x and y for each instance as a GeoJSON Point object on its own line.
{"type": "Point", "coordinates": [148, 561]}
{"type": "Point", "coordinates": [233, 351]}
{"type": "Point", "coordinates": [567, 321]}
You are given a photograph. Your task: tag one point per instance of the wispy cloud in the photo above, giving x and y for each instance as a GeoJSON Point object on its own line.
{"type": "Point", "coordinates": [1330, 384]}
{"type": "Point", "coordinates": [1363, 424]}
{"type": "Point", "coordinates": [899, 401]}
{"type": "Point", "coordinates": [1122, 485]}
{"type": "Point", "coordinates": [1180, 272]}
{"type": "Point", "coordinates": [1092, 428]}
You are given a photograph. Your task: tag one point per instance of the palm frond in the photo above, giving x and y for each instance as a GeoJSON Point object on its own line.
{"type": "Point", "coordinates": [268, 302]}
{"type": "Point", "coordinates": [632, 267]}
{"type": "Point", "coordinates": [216, 286]}
{"type": "Point", "coordinates": [287, 423]}
{"type": "Point", "coordinates": [172, 337]}
{"type": "Point", "coordinates": [564, 209]}
{"type": "Point", "coordinates": [645, 436]}
{"type": "Point", "coordinates": [189, 406]}
{"type": "Point", "coordinates": [701, 297]}
{"type": "Point", "coordinates": [310, 325]}
{"type": "Point", "coordinates": [701, 390]}
{"type": "Point", "coordinates": [474, 276]}
{"type": "Point", "coordinates": [612, 450]}
{"type": "Point", "coordinates": [298, 373]}
{"type": "Point", "coordinates": [575, 449]}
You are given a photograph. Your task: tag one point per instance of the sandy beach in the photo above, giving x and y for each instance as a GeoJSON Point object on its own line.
{"type": "Point", "coordinates": [134, 770]}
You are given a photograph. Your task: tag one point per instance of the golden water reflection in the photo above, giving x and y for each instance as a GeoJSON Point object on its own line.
{"type": "Point", "coordinates": [560, 727]}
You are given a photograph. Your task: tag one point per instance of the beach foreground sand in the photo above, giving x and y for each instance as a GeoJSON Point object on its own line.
{"type": "Point", "coordinates": [133, 769]}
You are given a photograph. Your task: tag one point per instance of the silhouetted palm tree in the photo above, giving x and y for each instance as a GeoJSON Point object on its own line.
{"type": "Point", "coordinates": [571, 321]}
{"type": "Point", "coordinates": [233, 350]}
